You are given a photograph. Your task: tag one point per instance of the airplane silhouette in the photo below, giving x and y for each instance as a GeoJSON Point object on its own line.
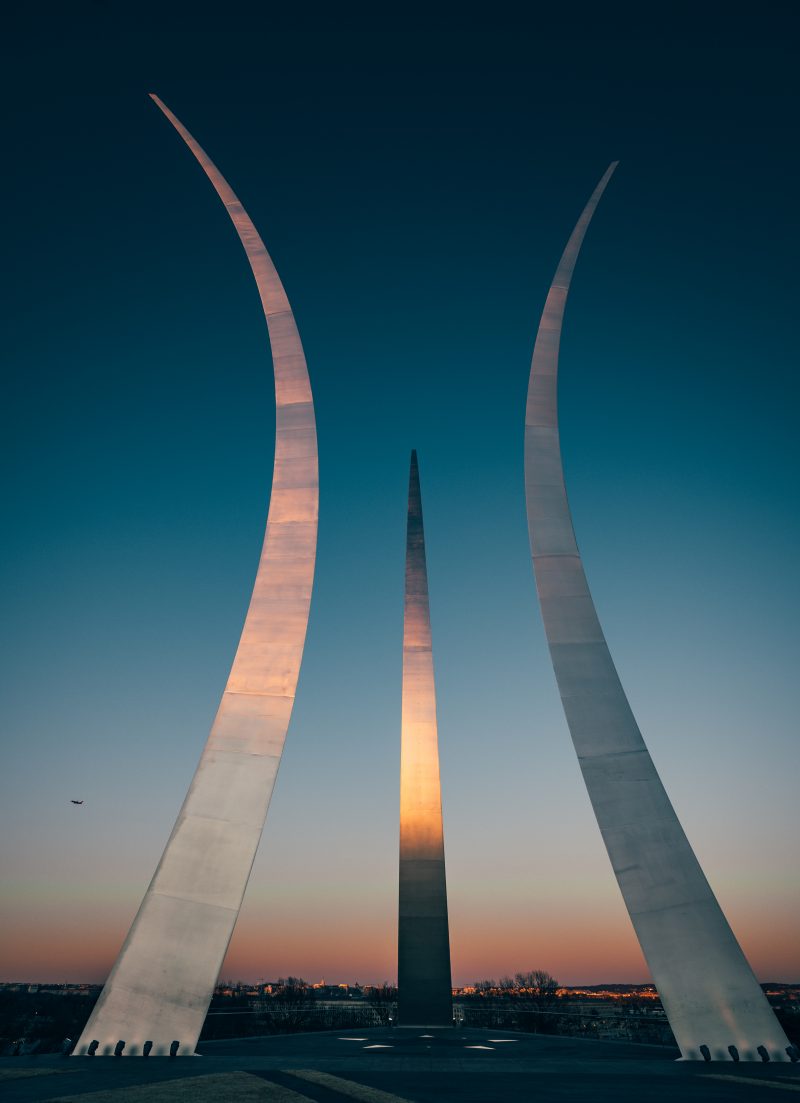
{"type": "Point", "coordinates": [76, 802]}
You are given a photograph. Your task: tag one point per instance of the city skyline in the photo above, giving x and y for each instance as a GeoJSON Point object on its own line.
{"type": "Point", "coordinates": [416, 236]}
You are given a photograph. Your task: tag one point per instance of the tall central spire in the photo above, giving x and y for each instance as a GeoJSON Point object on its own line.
{"type": "Point", "coordinates": [423, 968]}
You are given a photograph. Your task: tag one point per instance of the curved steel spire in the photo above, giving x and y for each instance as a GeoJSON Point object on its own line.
{"type": "Point", "coordinates": [708, 990]}
{"type": "Point", "coordinates": [161, 985]}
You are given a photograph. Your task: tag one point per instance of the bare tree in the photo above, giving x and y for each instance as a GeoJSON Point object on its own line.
{"type": "Point", "coordinates": [291, 1003]}
{"type": "Point", "coordinates": [537, 994]}
{"type": "Point", "coordinates": [538, 986]}
{"type": "Point", "coordinates": [382, 999]}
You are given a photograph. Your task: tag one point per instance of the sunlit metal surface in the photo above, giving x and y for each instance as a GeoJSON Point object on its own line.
{"type": "Point", "coordinates": [162, 982]}
{"type": "Point", "coordinates": [707, 988]}
{"type": "Point", "coordinates": [423, 966]}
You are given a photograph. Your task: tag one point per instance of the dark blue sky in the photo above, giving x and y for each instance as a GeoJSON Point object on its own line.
{"type": "Point", "coordinates": [415, 181]}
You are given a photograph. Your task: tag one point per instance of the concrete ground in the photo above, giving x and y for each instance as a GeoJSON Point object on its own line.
{"type": "Point", "coordinates": [416, 1065]}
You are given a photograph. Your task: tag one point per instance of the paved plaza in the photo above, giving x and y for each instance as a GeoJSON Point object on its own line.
{"type": "Point", "coordinates": [391, 1066]}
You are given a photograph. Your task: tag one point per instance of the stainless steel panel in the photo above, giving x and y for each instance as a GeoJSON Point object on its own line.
{"type": "Point", "coordinates": [423, 957]}
{"type": "Point", "coordinates": [162, 982]}
{"type": "Point", "coordinates": [708, 989]}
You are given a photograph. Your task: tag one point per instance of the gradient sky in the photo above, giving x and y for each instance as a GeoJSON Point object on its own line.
{"type": "Point", "coordinates": [415, 184]}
